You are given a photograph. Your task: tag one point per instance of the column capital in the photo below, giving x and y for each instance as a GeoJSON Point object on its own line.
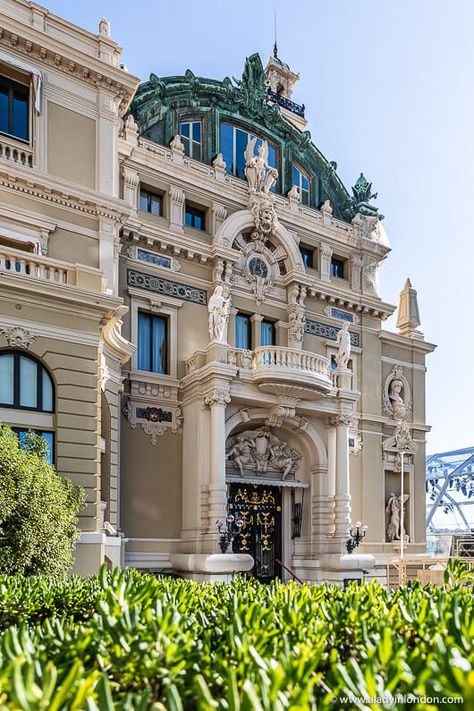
{"type": "Point", "coordinates": [217, 396]}
{"type": "Point", "coordinates": [343, 419]}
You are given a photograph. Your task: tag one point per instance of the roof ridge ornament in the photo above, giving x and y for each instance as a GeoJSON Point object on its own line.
{"type": "Point", "coordinates": [362, 195]}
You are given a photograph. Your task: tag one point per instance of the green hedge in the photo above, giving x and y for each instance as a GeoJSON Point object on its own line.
{"type": "Point", "coordinates": [130, 641]}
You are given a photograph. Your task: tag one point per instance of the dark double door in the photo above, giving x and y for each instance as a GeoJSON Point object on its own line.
{"type": "Point", "coordinates": [259, 507]}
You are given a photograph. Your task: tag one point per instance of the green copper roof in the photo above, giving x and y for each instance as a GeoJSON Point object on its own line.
{"type": "Point", "coordinates": [161, 103]}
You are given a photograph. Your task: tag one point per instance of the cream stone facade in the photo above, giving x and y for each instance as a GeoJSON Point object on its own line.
{"type": "Point", "coordinates": [213, 328]}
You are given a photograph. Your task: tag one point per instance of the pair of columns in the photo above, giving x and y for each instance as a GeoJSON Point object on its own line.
{"type": "Point", "coordinates": [217, 399]}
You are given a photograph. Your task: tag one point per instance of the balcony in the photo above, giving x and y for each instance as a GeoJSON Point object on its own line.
{"type": "Point", "coordinates": [25, 265]}
{"type": "Point", "coordinates": [285, 371]}
{"type": "Point", "coordinates": [16, 152]}
{"type": "Point", "coordinates": [288, 104]}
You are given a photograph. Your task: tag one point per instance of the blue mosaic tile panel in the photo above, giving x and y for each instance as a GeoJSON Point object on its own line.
{"type": "Point", "coordinates": [343, 315]}
{"type": "Point", "coordinates": [166, 287]}
{"type": "Point", "coordinates": [329, 332]}
{"type": "Point", "coordinates": [144, 256]}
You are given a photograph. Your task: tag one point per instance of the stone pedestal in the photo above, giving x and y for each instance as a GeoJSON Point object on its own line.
{"type": "Point", "coordinates": [211, 567]}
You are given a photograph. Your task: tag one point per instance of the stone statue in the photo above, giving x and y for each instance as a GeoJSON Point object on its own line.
{"type": "Point", "coordinates": [260, 175]}
{"type": "Point", "coordinates": [395, 527]}
{"type": "Point", "coordinates": [283, 458]}
{"type": "Point", "coordinates": [241, 453]}
{"type": "Point", "coordinates": [104, 27]}
{"type": "Point", "coordinates": [370, 278]}
{"type": "Point", "coordinates": [344, 350]}
{"type": "Point", "coordinates": [219, 310]}
{"type": "Point", "coordinates": [396, 400]}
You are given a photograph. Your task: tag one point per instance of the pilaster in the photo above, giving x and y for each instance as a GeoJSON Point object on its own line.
{"type": "Point", "coordinates": [176, 197]}
{"type": "Point", "coordinates": [326, 256]}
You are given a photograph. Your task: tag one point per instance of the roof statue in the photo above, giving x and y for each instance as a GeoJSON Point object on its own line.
{"type": "Point", "coordinates": [362, 195]}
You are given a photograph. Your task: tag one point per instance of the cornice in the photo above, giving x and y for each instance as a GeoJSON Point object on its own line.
{"type": "Point", "coordinates": [416, 344]}
{"type": "Point", "coordinates": [60, 193]}
{"type": "Point", "coordinates": [50, 53]}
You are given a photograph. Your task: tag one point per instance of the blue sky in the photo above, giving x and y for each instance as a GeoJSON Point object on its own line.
{"type": "Point", "coordinates": [388, 89]}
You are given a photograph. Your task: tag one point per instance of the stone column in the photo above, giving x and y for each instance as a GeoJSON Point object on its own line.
{"type": "Point", "coordinates": [217, 400]}
{"type": "Point", "coordinates": [343, 496]}
{"type": "Point", "coordinates": [176, 197]}
{"type": "Point", "coordinates": [331, 477]}
{"type": "Point", "coordinates": [256, 320]}
{"type": "Point", "coordinates": [326, 256]}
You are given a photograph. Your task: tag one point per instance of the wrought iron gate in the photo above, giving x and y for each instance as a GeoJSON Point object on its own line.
{"type": "Point", "coordinates": [259, 507]}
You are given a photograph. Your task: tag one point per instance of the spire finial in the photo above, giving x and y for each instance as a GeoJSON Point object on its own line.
{"type": "Point", "coordinates": [275, 45]}
{"type": "Point", "coordinates": [408, 320]}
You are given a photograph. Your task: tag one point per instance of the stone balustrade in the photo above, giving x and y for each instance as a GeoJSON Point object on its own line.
{"type": "Point", "coordinates": [16, 153]}
{"type": "Point", "coordinates": [281, 357]}
{"type": "Point", "coordinates": [21, 264]}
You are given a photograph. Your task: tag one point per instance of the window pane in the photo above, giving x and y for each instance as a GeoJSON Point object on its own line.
{"type": "Point", "coordinates": [188, 219]}
{"type": "Point", "coordinates": [267, 333]}
{"type": "Point", "coordinates": [198, 221]}
{"type": "Point", "coordinates": [305, 197]}
{"type": "Point", "coordinates": [196, 151]}
{"type": "Point", "coordinates": [47, 392]}
{"type": "Point", "coordinates": [295, 176]}
{"type": "Point", "coordinates": [242, 331]}
{"type": "Point", "coordinates": [159, 344]}
{"type": "Point", "coordinates": [4, 110]}
{"type": "Point", "coordinates": [28, 383]}
{"type": "Point", "coordinates": [186, 145]}
{"type": "Point", "coordinates": [20, 117]}
{"type": "Point", "coordinates": [49, 439]}
{"type": "Point", "coordinates": [144, 343]}
{"type": "Point", "coordinates": [272, 158]}
{"type": "Point", "coordinates": [197, 131]}
{"type": "Point", "coordinates": [227, 145]}
{"type": "Point", "coordinates": [241, 144]}
{"type": "Point", "coordinates": [185, 129]}
{"type": "Point", "coordinates": [304, 182]}
{"type": "Point", "coordinates": [155, 205]}
{"type": "Point", "coordinates": [6, 379]}
{"type": "Point", "coordinates": [143, 201]}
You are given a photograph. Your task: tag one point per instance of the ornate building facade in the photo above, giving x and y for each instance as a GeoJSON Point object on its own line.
{"type": "Point", "coordinates": [193, 294]}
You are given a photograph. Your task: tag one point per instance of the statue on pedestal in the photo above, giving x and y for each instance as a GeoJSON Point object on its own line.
{"type": "Point", "coordinates": [219, 310]}
{"type": "Point", "coordinates": [344, 342]}
{"type": "Point", "coordinates": [395, 526]}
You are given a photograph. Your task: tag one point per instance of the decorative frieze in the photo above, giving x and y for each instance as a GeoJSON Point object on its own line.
{"type": "Point", "coordinates": [159, 285]}
{"type": "Point", "coordinates": [154, 421]}
{"type": "Point", "coordinates": [154, 258]}
{"type": "Point", "coordinates": [330, 332]}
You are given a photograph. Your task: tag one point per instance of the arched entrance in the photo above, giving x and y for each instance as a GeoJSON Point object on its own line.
{"type": "Point", "coordinates": [268, 475]}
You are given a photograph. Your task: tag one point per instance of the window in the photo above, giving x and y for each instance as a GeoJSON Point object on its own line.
{"type": "Point", "coordinates": [152, 343]}
{"type": "Point", "coordinates": [307, 257]}
{"type": "Point", "coordinates": [14, 109]}
{"type": "Point", "coordinates": [267, 333]}
{"type": "Point", "coordinates": [243, 332]}
{"type": "Point", "coordinates": [151, 202]}
{"type": "Point", "coordinates": [47, 436]}
{"type": "Point", "coordinates": [233, 144]}
{"type": "Point", "coordinates": [302, 183]}
{"type": "Point", "coordinates": [25, 383]}
{"type": "Point", "coordinates": [191, 132]}
{"type": "Point", "coordinates": [194, 217]}
{"type": "Point", "coordinates": [337, 268]}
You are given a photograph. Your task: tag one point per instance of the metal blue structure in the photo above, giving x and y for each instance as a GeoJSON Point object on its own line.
{"type": "Point", "coordinates": [450, 491]}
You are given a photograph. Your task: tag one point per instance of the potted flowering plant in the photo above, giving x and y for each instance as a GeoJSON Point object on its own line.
{"type": "Point", "coordinates": [229, 529]}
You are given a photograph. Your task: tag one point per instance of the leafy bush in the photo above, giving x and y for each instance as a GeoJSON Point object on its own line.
{"type": "Point", "coordinates": [176, 645]}
{"type": "Point", "coordinates": [38, 510]}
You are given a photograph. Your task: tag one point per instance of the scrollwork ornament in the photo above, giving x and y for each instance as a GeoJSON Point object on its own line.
{"type": "Point", "coordinates": [217, 397]}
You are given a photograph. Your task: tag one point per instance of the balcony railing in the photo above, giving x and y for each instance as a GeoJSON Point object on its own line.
{"type": "Point", "coordinates": [273, 357]}
{"type": "Point", "coordinates": [285, 103]}
{"type": "Point", "coordinates": [15, 153]}
{"type": "Point", "coordinates": [35, 266]}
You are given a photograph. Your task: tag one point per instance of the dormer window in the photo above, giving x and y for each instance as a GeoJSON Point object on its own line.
{"type": "Point", "coordinates": [191, 135]}
{"type": "Point", "coordinates": [301, 181]}
{"type": "Point", "coordinates": [234, 141]}
{"type": "Point", "coordinates": [14, 109]}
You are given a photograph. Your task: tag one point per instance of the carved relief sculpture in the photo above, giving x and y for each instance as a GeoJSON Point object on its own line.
{"type": "Point", "coordinates": [219, 310]}
{"type": "Point", "coordinates": [261, 453]}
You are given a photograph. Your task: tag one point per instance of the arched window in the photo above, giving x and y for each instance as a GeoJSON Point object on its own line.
{"type": "Point", "coordinates": [25, 384]}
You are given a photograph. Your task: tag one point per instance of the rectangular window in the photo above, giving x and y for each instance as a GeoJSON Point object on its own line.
{"type": "Point", "coordinates": [152, 343]}
{"type": "Point", "coordinates": [191, 132]}
{"type": "Point", "coordinates": [243, 332]}
{"type": "Point", "coordinates": [14, 109]}
{"type": "Point", "coordinates": [6, 380]}
{"type": "Point", "coordinates": [151, 202]}
{"type": "Point", "coordinates": [47, 436]}
{"type": "Point", "coordinates": [194, 217]}
{"type": "Point", "coordinates": [28, 383]}
{"type": "Point", "coordinates": [302, 183]}
{"type": "Point", "coordinates": [267, 333]}
{"type": "Point", "coordinates": [307, 257]}
{"type": "Point", "coordinates": [337, 268]}
{"type": "Point", "coordinates": [233, 144]}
